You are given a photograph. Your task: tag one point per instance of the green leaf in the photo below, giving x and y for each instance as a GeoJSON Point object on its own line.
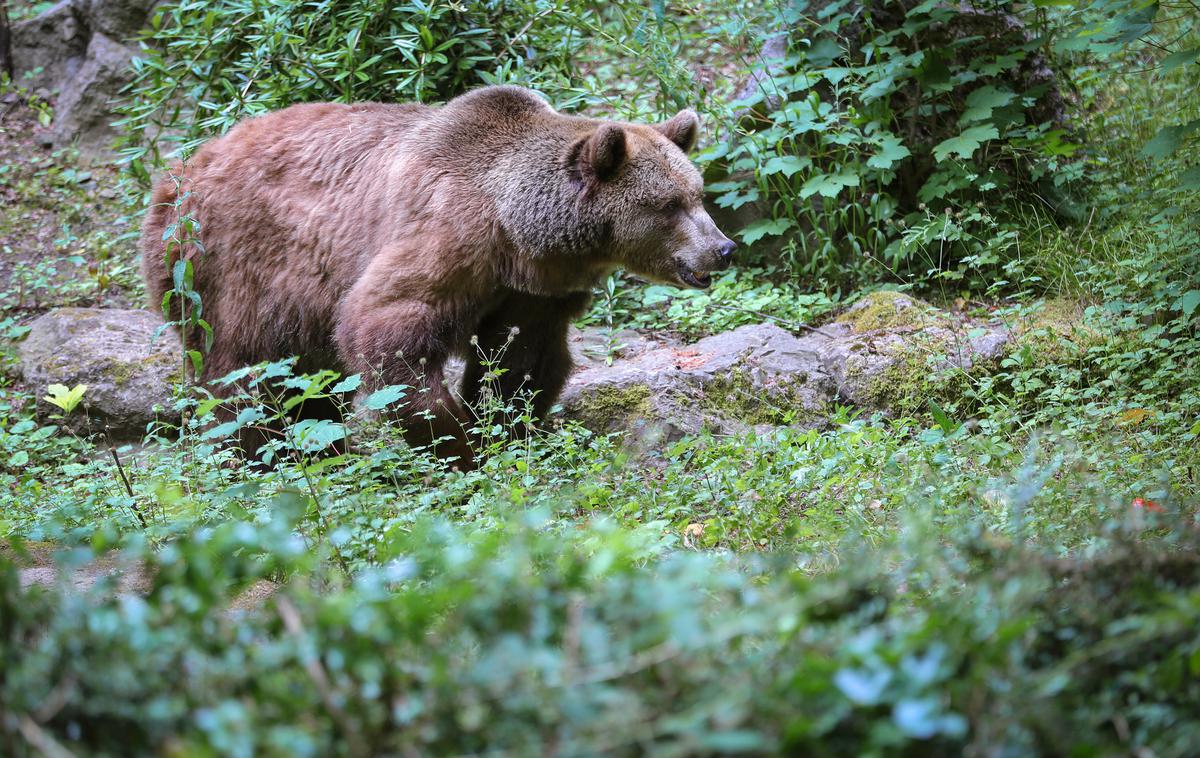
{"type": "Point", "coordinates": [786, 165]}
{"type": "Point", "coordinates": [1189, 302]}
{"type": "Point", "coordinates": [349, 384]}
{"type": "Point", "coordinates": [1135, 24]}
{"type": "Point", "coordinates": [943, 419]}
{"type": "Point", "coordinates": [891, 151]}
{"type": "Point", "coordinates": [245, 416]}
{"type": "Point", "coordinates": [965, 144]}
{"type": "Point", "coordinates": [66, 399]}
{"type": "Point", "coordinates": [1177, 59]}
{"type": "Point", "coordinates": [314, 435]}
{"type": "Point", "coordinates": [828, 185]}
{"type": "Point", "coordinates": [1190, 179]}
{"type": "Point", "coordinates": [18, 459]}
{"type": "Point", "coordinates": [380, 399]}
{"type": "Point", "coordinates": [1168, 139]}
{"type": "Point", "coordinates": [983, 101]}
{"type": "Point", "coordinates": [772, 227]}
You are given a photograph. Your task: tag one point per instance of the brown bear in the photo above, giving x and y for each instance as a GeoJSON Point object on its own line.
{"type": "Point", "coordinates": [383, 239]}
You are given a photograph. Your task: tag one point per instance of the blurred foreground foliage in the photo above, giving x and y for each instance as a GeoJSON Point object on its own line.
{"type": "Point", "coordinates": [536, 639]}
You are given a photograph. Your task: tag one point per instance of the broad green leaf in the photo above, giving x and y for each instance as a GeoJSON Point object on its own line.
{"type": "Point", "coordinates": [765, 227]}
{"type": "Point", "coordinates": [349, 384]}
{"type": "Point", "coordinates": [786, 165]}
{"type": "Point", "coordinates": [245, 416]}
{"type": "Point", "coordinates": [965, 144]}
{"type": "Point", "coordinates": [828, 185]}
{"type": "Point", "coordinates": [314, 435]}
{"type": "Point", "coordinates": [1189, 302]}
{"type": "Point", "coordinates": [1183, 57]}
{"type": "Point", "coordinates": [1135, 24]}
{"type": "Point", "coordinates": [1190, 179]}
{"type": "Point", "coordinates": [1168, 139]}
{"type": "Point", "coordinates": [891, 151]}
{"type": "Point", "coordinates": [380, 399]}
{"type": "Point", "coordinates": [983, 101]}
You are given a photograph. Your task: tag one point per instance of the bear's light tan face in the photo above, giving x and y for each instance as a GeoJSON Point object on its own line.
{"type": "Point", "coordinates": [658, 223]}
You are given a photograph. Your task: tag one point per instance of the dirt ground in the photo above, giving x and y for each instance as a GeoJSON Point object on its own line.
{"type": "Point", "coordinates": [67, 236]}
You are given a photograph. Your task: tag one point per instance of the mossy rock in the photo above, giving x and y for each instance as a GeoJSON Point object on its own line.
{"type": "Point", "coordinates": [130, 374]}
{"type": "Point", "coordinates": [611, 408]}
{"type": "Point", "coordinates": [890, 311]}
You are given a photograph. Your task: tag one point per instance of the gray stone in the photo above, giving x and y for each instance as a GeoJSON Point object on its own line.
{"type": "Point", "coordinates": [729, 382]}
{"type": "Point", "coordinates": [876, 356]}
{"type": "Point", "coordinates": [130, 375]}
{"type": "Point", "coordinates": [77, 49]}
{"type": "Point", "coordinates": [83, 113]}
{"type": "Point", "coordinates": [50, 48]}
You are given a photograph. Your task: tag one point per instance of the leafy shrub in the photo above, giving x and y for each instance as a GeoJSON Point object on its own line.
{"type": "Point", "coordinates": [879, 110]}
{"type": "Point", "coordinates": [208, 65]}
{"type": "Point", "coordinates": [529, 640]}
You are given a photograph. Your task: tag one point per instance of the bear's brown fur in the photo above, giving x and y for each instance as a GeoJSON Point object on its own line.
{"type": "Point", "coordinates": [380, 238]}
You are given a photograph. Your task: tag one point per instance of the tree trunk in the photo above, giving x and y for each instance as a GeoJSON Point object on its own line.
{"type": "Point", "coordinates": [6, 60]}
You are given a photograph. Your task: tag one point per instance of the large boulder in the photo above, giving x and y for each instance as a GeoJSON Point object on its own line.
{"type": "Point", "coordinates": [130, 374]}
{"type": "Point", "coordinates": [886, 353]}
{"type": "Point", "coordinates": [751, 376]}
{"type": "Point", "coordinates": [78, 48]}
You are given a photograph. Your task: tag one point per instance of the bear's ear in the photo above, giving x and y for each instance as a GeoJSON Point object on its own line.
{"type": "Point", "coordinates": [683, 128]}
{"type": "Point", "coordinates": [601, 155]}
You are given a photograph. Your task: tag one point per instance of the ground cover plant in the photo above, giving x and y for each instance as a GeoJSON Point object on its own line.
{"type": "Point", "coordinates": [1003, 561]}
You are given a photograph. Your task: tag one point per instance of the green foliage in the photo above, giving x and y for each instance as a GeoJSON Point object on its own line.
{"type": "Point", "coordinates": [209, 65]}
{"type": "Point", "coordinates": [1006, 564]}
{"type": "Point", "coordinates": [527, 639]}
{"type": "Point", "coordinates": [878, 110]}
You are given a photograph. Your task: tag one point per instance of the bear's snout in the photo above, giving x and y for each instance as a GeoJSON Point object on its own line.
{"type": "Point", "coordinates": [725, 253]}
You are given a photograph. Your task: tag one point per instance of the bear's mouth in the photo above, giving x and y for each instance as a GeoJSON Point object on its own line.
{"type": "Point", "coordinates": [699, 280]}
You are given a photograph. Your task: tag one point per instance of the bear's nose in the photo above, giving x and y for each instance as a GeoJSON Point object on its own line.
{"type": "Point", "coordinates": [726, 252]}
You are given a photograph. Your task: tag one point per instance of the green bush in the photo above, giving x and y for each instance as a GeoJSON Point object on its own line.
{"type": "Point", "coordinates": [531, 640]}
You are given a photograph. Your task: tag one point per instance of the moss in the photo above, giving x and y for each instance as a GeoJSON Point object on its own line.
{"type": "Point", "coordinates": [736, 397]}
{"type": "Point", "coordinates": [907, 385]}
{"type": "Point", "coordinates": [887, 310]}
{"type": "Point", "coordinates": [610, 407]}
{"type": "Point", "coordinates": [1055, 332]}
{"type": "Point", "coordinates": [121, 372]}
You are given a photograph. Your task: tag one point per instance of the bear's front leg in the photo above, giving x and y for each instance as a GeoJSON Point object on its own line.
{"type": "Point", "coordinates": [407, 343]}
{"type": "Point", "coordinates": [527, 335]}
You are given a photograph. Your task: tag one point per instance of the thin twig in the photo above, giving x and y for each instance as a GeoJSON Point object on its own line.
{"type": "Point", "coordinates": [316, 672]}
{"type": "Point", "coordinates": [124, 479]}
{"type": "Point", "coordinates": [40, 740]}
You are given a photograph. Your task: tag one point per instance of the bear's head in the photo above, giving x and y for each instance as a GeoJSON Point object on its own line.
{"type": "Point", "coordinates": [638, 180]}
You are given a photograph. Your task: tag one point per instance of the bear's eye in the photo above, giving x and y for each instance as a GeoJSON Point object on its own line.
{"type": "Point", "coordinates": [671, 206]}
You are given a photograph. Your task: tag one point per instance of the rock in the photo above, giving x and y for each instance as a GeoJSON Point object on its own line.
{"type": "Point", "coordinates": [761, 81]}
{"type": "Point", "coordinates": [888, 353]}
{"type": "Point", "coordinates": [754, 375]}
{"type": "Point", "coordinates": [129, 374]}
{"type": "Point", "coordinates": [83, 113]}
{"type": "Point", "coordinates": [78, 48]}
{"type": "Point", "coordinates": [49, 48]}
{"type": "Point", "coordinates": [118, 19]}
{"type": "Point", "coordinates": [882, 354]}
{"type": "Point", "coordinates": [888, 350]}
